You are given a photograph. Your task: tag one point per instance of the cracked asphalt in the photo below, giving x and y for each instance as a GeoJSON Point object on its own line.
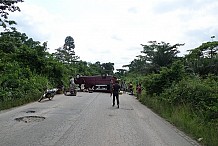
{"type": "Point", "coordinates": [87, 119]}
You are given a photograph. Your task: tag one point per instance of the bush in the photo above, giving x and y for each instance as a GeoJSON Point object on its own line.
{"type": "Point", "coordinates": [26, 90]}
{"type": "Point", "coordinates": [200, 94]}
{"type": "Point", "coordinates": [157, 83]}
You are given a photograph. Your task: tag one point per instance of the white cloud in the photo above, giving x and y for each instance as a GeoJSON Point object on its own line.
{"type": "Point", "coordinates": [112, 31]}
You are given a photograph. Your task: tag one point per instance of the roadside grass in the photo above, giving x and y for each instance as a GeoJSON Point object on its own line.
{"type": "Point", "coordinates": [206, 133]}
{"type": "Point", "coordinates": [10, 103]}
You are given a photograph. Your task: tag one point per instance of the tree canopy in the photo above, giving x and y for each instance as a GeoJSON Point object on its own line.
{"type": "Point", "coordinates": [203, 59]}
{"type": "Point", "coordinates": [7, 6]}
{"type": "Point", "coordinates": [154, 56]}
{"type": "Point", "coordinates": [66, 54]}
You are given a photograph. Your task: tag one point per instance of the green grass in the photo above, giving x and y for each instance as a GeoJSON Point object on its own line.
{"type": "Point", "coordinates": [185, 119]}
{"type": "Point", "coordinates": [7, 104]}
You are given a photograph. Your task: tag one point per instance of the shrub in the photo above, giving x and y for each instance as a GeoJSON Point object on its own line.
{"type": "Point", "coordinates": [201, 95]}
{"type": "Point", "coordinates": [157, 83]}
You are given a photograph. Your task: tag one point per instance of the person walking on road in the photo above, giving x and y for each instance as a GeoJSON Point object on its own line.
{"type": "Point", "coordinates": [115, 91]}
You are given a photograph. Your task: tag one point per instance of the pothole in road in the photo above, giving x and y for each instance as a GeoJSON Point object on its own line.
{"type": "Point", "coordinates": [30, 111]}
{"type": "Point", "coordinates": [28, 119]}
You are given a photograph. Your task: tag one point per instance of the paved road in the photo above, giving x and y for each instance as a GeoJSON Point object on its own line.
{"type": "Point", "coordinates": [87, 119]}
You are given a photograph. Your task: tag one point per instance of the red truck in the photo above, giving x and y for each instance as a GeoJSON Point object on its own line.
{"type": "Point", "coordinates": [96, 83]}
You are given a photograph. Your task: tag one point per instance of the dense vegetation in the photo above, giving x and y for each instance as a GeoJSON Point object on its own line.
{"type": "Point", "coordinates": [184, 90]}
{"type": "Point", "coordinates": [27, 68]}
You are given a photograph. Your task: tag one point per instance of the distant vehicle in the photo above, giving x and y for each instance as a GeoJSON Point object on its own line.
{"type": "Point", "coordinates": [96, 83]}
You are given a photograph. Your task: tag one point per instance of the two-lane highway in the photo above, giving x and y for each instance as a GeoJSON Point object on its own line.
{"type": "Point", "coordinates": [87, 119]}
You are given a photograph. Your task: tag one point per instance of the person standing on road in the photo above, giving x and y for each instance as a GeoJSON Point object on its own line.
{"type": "Point", "coordinates": [139, 90]}
{"type": "Point", "coordinates": [72, 86]}
{"type": "Point", "coordinates": [115, 90]}
{"type": "Point", "coordinates": [131, 88]}
{"type": "Point", "coordinates": [72, 83]}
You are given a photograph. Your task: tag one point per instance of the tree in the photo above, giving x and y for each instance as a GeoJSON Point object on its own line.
{"type": "Point", "coordinates": [95, 69]}
{"type": "Point", "coordinates": [7, 6]}
{"type": "Point", "coordinates": [203, 59]}
{"type": "Point", "coordinates": [26, 51]}
{"type": "Point", "coordinates": [137, 65]}
{"type": "Point", "coordinates": [107, 68]}
{"type": "Point", "coordinates": [206, 50]}
{"type": "Point", "coordinates": [154, 56]}
{"type": "Point", "coordinates": [69, 45]}
{"type": "Point", "coordinates": [120, 73]}
{"type": "Point", "coordinates": [161, 54]}
{"type": "Point", "coordinates": [66, 54]}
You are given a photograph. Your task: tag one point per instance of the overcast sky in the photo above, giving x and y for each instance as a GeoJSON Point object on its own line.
{"type": "Point", "coordinates": [112, 30]}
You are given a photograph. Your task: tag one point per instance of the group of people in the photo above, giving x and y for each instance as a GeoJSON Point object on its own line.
{"type": "Point", "coordinates": [138, 89]}
{"type": "Point", "coordinates": [115, 90]}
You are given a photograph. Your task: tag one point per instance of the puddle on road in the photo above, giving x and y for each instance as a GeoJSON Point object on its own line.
{"type": "Point", "coordinates": [28, 119]}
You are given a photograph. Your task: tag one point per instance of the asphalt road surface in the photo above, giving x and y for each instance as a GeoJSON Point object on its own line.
{"type": "Point", "coordinates": [87, 119]}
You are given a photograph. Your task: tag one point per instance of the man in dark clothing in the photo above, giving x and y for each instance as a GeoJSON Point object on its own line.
{"type": "Point", "coordinates": [116, 89]}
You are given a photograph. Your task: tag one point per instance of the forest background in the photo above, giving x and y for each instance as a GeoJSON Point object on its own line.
{"type": "Point", "coordinates": [183, 90]}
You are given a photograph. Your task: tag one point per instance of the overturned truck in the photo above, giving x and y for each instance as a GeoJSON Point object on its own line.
{"type": "Point", "coordinates": [96, 83]}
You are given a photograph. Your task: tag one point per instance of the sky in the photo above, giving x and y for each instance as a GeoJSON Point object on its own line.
{"type": "Point", "coordinates": [112, 30]}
